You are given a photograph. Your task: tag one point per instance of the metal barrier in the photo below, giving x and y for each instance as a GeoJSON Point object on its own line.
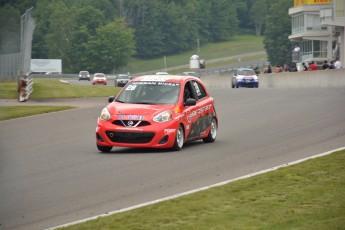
{"type": "Point", "coordinates": [25, 83]}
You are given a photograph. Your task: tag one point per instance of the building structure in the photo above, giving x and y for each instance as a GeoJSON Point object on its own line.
{"type": "Point", "coordinates": [318, 30]}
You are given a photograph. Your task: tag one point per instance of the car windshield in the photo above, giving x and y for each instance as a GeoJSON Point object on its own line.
{"type": "Point", "coordinates": [122, 77]}
{"type": "Point", "coordinates": [150, 92]}
{"type": "Point", "coordinates": [99, 76]}
{"type": "Point", "coordinates": [84, 73]}
{"type": "Point", "coordinates": [246, 72]}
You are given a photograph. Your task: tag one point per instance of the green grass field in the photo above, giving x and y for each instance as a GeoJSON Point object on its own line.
{"type": "Point", "coordinates": [48, 88]}
{"type": "Point", "coordinates": [309, 195]}
{"type": "Point", "coordinates": [240, 44]}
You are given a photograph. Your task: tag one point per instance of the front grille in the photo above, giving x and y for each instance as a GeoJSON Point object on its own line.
{"type": "Point", "coordinates": [130, 123]}
{"type": "Point", "coordinates": [130, 137]}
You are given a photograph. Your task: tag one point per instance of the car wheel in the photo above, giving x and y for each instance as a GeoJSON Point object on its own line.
{"type": "Point", "coordinates": [211, 137]}
{"type": "Point", "coordinates": [104, 149]}
{"type": "Point", "coordinates": [232, 84]}
{"type": "Point", "coordinates": [179, 139]}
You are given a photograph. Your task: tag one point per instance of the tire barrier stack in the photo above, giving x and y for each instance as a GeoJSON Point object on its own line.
{"type": "Point", "coordinates": [25, 87]}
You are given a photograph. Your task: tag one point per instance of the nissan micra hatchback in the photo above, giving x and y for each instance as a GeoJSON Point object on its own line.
{"type": "Point", "coordinates": [158, 112]}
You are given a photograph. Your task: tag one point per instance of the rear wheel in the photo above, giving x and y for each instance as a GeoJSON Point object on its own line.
{"type": "Point", "coordinates": [104, 149]}
{"type": "Point", "coordinates": [179, 139]}
{"type": "Point", "coordinates": [211, 137]}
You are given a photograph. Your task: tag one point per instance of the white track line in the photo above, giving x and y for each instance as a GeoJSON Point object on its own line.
{"type": "Point", "coordinates": [197, 190]}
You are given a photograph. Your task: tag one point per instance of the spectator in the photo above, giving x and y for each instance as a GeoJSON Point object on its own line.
{"type": "Point", "coordinates": [325, 65]}
{"type": "Point", "coordinates": [268, 69]}
{"type": "Point", "coordinates": [337, 63]}
{"type": "Point", "coordinates": [257, 71]}
{"type": "Point", "coordinates": [286, 67]}
{"type": "Point", "coordinates": [278, 69]}
{"type": "Point", "coordinates": [293, 68]}
{"type": "Point", "coordinates": [312, 66]}
{"type": "Point", "coordinates": [304, 66]}
{"type": "Point", "coordinates": [331, 65]}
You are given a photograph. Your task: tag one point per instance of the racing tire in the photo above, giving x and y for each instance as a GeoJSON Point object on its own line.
{"type": "Point", "coordinates": [104, 149]}
{"type": "Point", "coordinates": [179, 139]}
{"type": "Point", "coordinates": [212, 134]}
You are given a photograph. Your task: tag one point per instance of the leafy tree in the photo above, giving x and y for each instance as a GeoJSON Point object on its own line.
{"type": "Point", "coordinates": [243, 14]}
{"type": "Point", "coordinates": [145, 18]}
{"type": "Point", "coordinates": [223, 20]}
{"type": "Point", "coordinates": [178, 29]}
{"type": "Point", "coordinates": [278, 28]}
{"type": "Point", "coordinates": [111, 48]}
{"type": "Point", "coordinates": [61, 28]}
{"type": "Point", "coordinates": [9, 30]}
{"type": "Point", "coordinates": [258, 13]}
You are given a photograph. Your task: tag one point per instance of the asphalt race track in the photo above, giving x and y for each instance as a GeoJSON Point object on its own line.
{"type": "Point", "coordinates": [52, 174]}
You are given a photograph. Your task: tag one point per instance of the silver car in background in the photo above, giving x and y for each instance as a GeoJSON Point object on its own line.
{"type": "Point", "coordinates": [121, 80]}
{"type": "Point", "coordinates": [84, 75]}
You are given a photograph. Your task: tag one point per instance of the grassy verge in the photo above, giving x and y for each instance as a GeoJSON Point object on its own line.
{"type": "Point", "coordinates": [240, 44]}
{"type": "Point", "coordinates": [309, 195]}
{"type": "Point", "coordinates": [48, 88]}
{"type": "Point", "coordinates": [11, 112]}
{"type": "Point", "coordinates": [53, 88]}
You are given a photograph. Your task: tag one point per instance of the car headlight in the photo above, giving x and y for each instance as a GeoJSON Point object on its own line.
{"type": "Point", "coordinates": [239, 78]}
{"type": "Point", "coordinates": [163, 116]}
{"type": "Point", "coordinates": [105, 115]}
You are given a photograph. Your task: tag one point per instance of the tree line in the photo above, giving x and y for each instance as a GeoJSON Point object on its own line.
{"type": "Point", "coordinates": [103, 35]}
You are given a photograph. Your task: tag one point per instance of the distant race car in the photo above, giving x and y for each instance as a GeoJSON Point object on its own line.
{"type": "Point", "coordinates": [84, 75]}
{"type": "Point", "coordinates": [99, 78]}
{"type": "Point", "coordinates": [121, 80]}
{"type": "Point", "coordinates": [245, 77]}
{"type": "Point", "coordinates": [158, 112]}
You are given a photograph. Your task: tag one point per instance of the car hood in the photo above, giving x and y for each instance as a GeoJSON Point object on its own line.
{"type": "Point", "coordinates": [136, 111]}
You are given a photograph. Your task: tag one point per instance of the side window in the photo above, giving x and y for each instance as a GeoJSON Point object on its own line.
{"type": "Point", "coordinates": [199, 90]}
{"type": "Point", "coordinates": [187, 92]}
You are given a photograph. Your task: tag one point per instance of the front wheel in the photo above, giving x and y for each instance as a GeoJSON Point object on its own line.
{"type": "Point", "coordinates": [212, 134]}
{"type": "Point", "coordinates": [179, 139]}
{"type": "Point", "coordinates": [104, 149]}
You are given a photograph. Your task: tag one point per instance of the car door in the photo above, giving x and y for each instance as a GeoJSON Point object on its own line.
{"type": "Point", "coordinates": [199, 116]}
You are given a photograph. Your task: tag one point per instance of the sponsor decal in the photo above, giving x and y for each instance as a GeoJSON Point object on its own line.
{"type": "Point", "coordinates": [130, 117]}
{"type": "Point", "coordinates": [152, 82]}
{"type": "Point", "coordinates": [179, 116]}
{"type": "Point", "coordinates": [135, 117]}
{"type": "Point", "coordinates": [198, 112]}
{"type": "Point", "coordinates": [177, 110]}
{"type": "Point", "coordinates": [129, 128]}
{"type": "Point", "coordinates": [169, 131]}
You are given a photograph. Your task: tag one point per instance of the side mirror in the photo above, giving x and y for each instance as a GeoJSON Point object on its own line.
{"type": "Point", "coordinates": [190, 102]}
{"type": "Point", "coordinates": [111, 99]}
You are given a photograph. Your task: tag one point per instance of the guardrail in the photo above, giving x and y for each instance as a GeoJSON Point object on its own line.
{"type": "Point", "coordinates": [25, 87]}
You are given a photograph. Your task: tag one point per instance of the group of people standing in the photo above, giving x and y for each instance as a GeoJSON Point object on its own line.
{"type": "Point", "coordinates": [336, 64]}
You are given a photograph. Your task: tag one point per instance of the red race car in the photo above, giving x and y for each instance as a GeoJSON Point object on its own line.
{"type": "Point", "coordinates": [157, 111]}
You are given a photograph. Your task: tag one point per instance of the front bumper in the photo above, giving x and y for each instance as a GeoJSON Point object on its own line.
{"type": "Point", "coordinates": [248, 83]}
{"type": "Point", "coordinates": [155, 135]}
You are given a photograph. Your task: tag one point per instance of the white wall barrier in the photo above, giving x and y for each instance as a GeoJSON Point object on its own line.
{"type": "Point", "coordinates": [306, 79]}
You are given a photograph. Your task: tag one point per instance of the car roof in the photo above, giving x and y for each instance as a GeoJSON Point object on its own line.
{"type": "Point", "coordinates": [244, 69]}
{"type": "Point", "coordinates": [163, 78]}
